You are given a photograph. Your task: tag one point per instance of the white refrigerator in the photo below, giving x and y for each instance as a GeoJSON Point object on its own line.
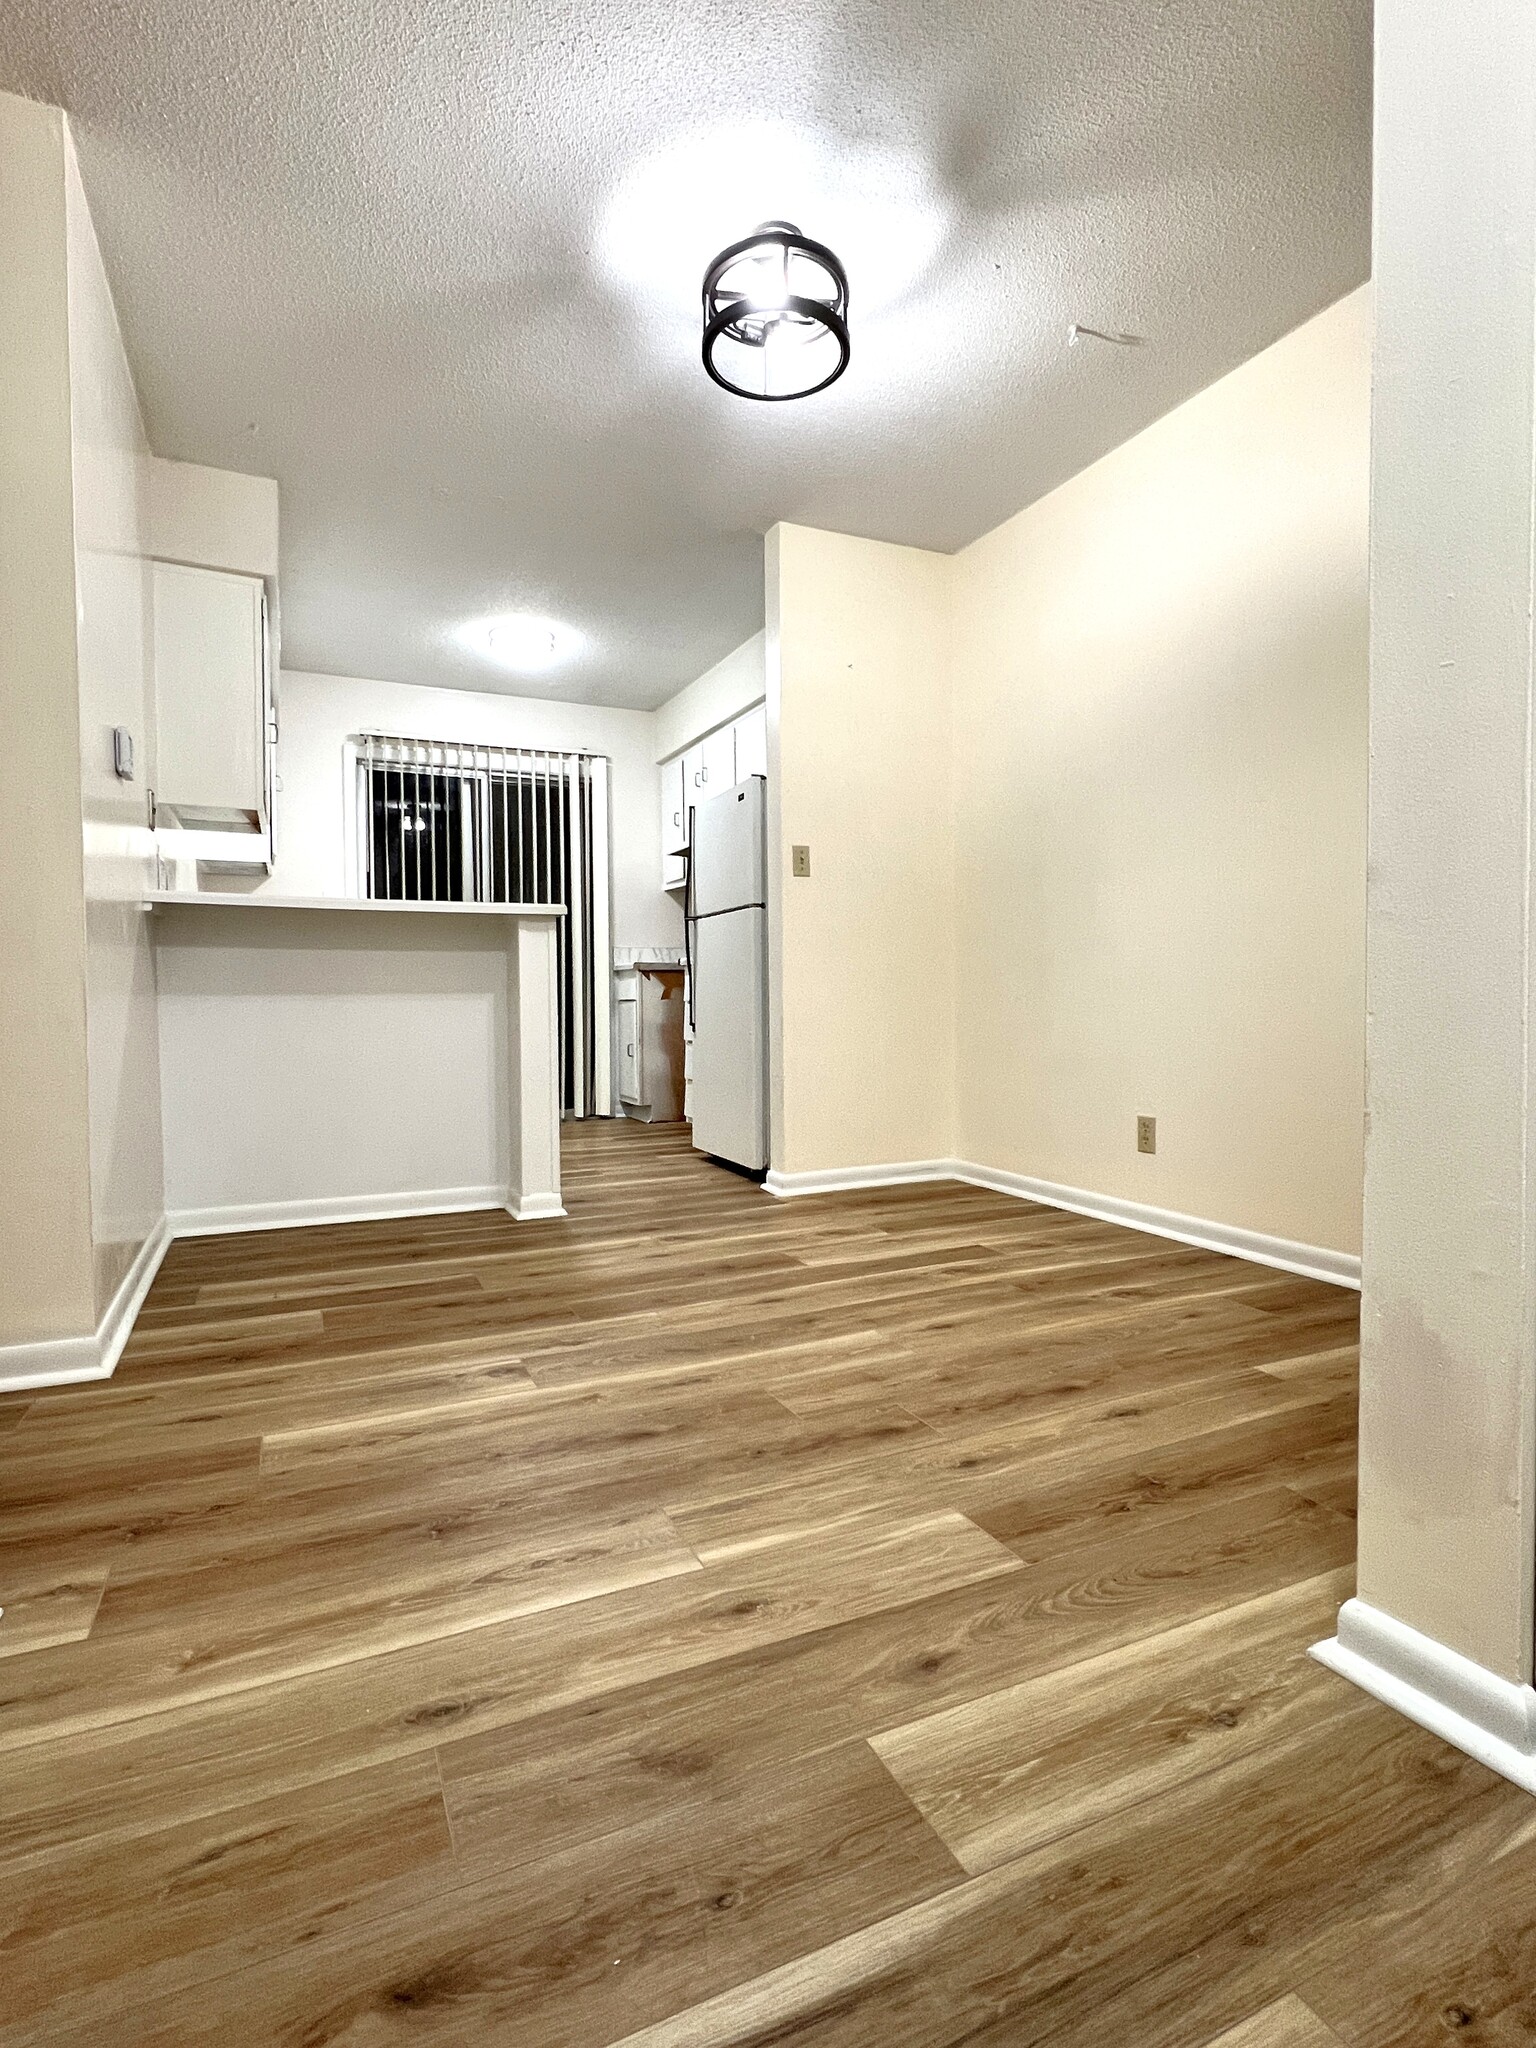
{"type": "Point", "coordinates": [728, 963]}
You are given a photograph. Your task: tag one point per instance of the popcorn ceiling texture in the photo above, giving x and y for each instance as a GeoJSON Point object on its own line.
{"type": "Point", "coordinates": [357, 246]}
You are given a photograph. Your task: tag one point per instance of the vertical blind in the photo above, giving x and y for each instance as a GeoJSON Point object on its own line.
{"type": "Point", "coordinates": [446, 821]}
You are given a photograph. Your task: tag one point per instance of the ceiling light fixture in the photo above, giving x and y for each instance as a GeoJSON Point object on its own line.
{"type": "Point", "coordinates": [522, 641]}
{"type": "Point", "coordinates": [776, 315]}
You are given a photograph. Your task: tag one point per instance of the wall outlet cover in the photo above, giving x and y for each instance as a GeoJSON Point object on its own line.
{"type": "Point", "coordinates": [1146, 1134]}
{"type": "Point", "coordinates": [800, 860]}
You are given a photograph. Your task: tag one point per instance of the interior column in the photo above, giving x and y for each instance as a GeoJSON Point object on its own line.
{"type": "Point", "coordinates": [1442, 1626]}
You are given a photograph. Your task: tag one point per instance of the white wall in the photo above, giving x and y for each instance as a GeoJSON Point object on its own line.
{"type": "Point", "coordinates": [1159, 684]}
{"type": "Point", "coordinates": [861, 953]}
{"type": "Point", "coordinates": [1447, 1372]}
{"type": "Point", "coordinates": [318, 1065]}
{"type": "Point", "coordinates": [713, 699]}
{"type": "Point", "coordinates": [212, 518]}
{"type": "Point", "coordinates": [319, 713]}
{"type": "Point", "coordinates": [110, 460]}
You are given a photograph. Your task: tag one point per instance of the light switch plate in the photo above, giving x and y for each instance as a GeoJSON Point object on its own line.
{"type": "Point", "coordinates": [800, 860]}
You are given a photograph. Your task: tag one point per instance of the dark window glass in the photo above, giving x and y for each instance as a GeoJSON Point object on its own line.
{"type": "Point", "coordinates": [416, 847]}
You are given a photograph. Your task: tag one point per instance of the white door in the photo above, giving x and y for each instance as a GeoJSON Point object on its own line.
{"type": "Point", "coordinates": [693, 788]}
{"type": "Point", "coordinates": [674, 816]}
{"type": "Point", "coordinates": [717, 764]}
{"type": "Point", "coordinates": [729, 1096]}
{"type": "Point", "coordinates": [752, 743]}
{"type": "Point", "coordinates": [729, 870]}
{"type": "Point", "coordinates": [628, 1008]}
{"type": "Point", "coordinates": [210, 690]}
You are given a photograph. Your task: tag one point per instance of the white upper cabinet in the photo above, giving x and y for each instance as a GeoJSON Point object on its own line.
{"type": "Point", "coordinates": [693, 786]}
{"type": "Point", "coordinates": [717, 764]}
{"type": "Point", "coordinates": [674, 812]}
{"type": "Point", "coordinates": [210, 692]}
{"type": "Point", "coordinates": [751, 731]}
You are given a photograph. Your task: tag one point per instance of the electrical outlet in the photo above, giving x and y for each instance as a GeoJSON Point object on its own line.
{"type": "Point", "coordinates": [800, 860]}
{"type": "Point", "coordinates": [1146, 1134]}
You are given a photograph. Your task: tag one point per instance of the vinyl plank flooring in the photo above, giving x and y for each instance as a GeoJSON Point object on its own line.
{"type": "Point", "coordinates": [643, 1749]}
{"type": "Point", "coordinates": [1124, 1931]}
{"type": "Point", "coordinates": [1006, 1773]}
{"type": "Point", "coordinates": [100, 1926]}
{"type": "Point", "coordinates": [568, 1951]}
{"type": "Point", "coordinates": [868, 1621]}
{"type": "Point", "coordinates": [1288, 2023]}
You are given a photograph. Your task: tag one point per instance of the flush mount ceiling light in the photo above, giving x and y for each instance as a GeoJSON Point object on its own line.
{"type": "Point", "coordinates": [522, 641]}
{"type": "Point", "coordinates": [776, 315]}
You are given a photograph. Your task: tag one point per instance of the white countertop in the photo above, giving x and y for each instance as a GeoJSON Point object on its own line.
{"type": "Point", "coordinates": [234, 899]}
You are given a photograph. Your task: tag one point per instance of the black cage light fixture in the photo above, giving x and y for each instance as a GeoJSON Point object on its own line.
{"type": "Point", "coordinates": [776, 315]}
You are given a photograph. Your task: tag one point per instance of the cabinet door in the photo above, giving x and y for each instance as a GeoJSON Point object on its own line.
{"type": "Point", "coordinates": [674, 815]}
{"type": "Point", "coordinates": [752, 743]}
{"type": "Point", "coordinates": [628, 1008]}
{"type": "Point", "coordinates": [210, 690]}
{"type": "Point", "coordinates": [693, 789]}
{"type": "Point", "coordinates": [717, 763]}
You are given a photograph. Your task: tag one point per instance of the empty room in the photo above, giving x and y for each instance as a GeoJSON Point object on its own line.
{"type": "Point", "coordinates": [767, 1203]}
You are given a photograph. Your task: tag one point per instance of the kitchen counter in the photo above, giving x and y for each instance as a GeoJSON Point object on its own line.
{"type": "Point", "coordinates": [240, 899]}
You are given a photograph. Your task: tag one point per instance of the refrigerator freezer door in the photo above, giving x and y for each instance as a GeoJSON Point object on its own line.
{"type": "Point", "coordinates": [728, 863]}
{"type": "Point", "coordinates": [730, 1050]}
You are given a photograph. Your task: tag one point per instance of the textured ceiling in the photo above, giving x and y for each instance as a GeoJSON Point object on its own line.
{"type": "Point", "coordinates": [431, 267]}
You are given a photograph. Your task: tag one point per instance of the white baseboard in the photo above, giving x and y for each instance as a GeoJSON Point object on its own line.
{"type": "Point", "coordinates": [838, 1180]}
{"type": "Point", "coordinates": [69, 1361]}
{"type": "Point", "coordinates": [1312, 1262]}
{"type": "Point", "coordinates": [1491, 1718]}
{"type": "Point", "coordinates": [299, 1215]}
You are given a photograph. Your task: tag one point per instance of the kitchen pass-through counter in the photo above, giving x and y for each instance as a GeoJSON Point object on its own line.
{"type": "Point", "coordinates": [329, 1059]}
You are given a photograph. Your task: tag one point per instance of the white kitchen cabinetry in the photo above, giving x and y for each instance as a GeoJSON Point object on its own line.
{"type": "Point", "coordinates": [627, 1018]}
{"type": "Point", "coordinates": [211, 695]}
{"type": "Point", "coordinates": [648, 1015]}
{"type": "Point", "coordinates": [752, 743]}
{"type": "Point", "coordinates": [674, 813]}
{"type": "Point", "coordinates": [717, 764]}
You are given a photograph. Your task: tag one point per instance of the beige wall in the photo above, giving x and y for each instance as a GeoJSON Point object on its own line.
{"type": "Point", "coordinates": [110, 457]}
{"type": "Point", "coordinates": [79, 1064]}
{"type": "Point", "coordinates": [46, 1283]}
{"type": "Point", "coordinates": [1160, 703]}
{"type": "Point", "coordinates": [1086, 807]}
{"type": "Point", "coordinates": [862, 952]}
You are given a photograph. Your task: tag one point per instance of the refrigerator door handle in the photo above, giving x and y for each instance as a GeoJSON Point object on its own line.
{"type": "Point", "coordinates": [688, 926]}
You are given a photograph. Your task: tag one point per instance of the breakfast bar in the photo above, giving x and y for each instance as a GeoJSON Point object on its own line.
{"type": "Point", "coordinates": [332, 1059]}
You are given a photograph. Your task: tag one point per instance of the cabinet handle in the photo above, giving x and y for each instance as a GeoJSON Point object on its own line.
{"type": "Point", "coordinates": [677, 817]}
{"type": "Point", "coordinates": [629, 1052]}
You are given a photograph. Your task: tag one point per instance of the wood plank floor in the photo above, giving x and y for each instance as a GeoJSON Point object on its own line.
{"type": "Point", "coordinates": [867, 1621]}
